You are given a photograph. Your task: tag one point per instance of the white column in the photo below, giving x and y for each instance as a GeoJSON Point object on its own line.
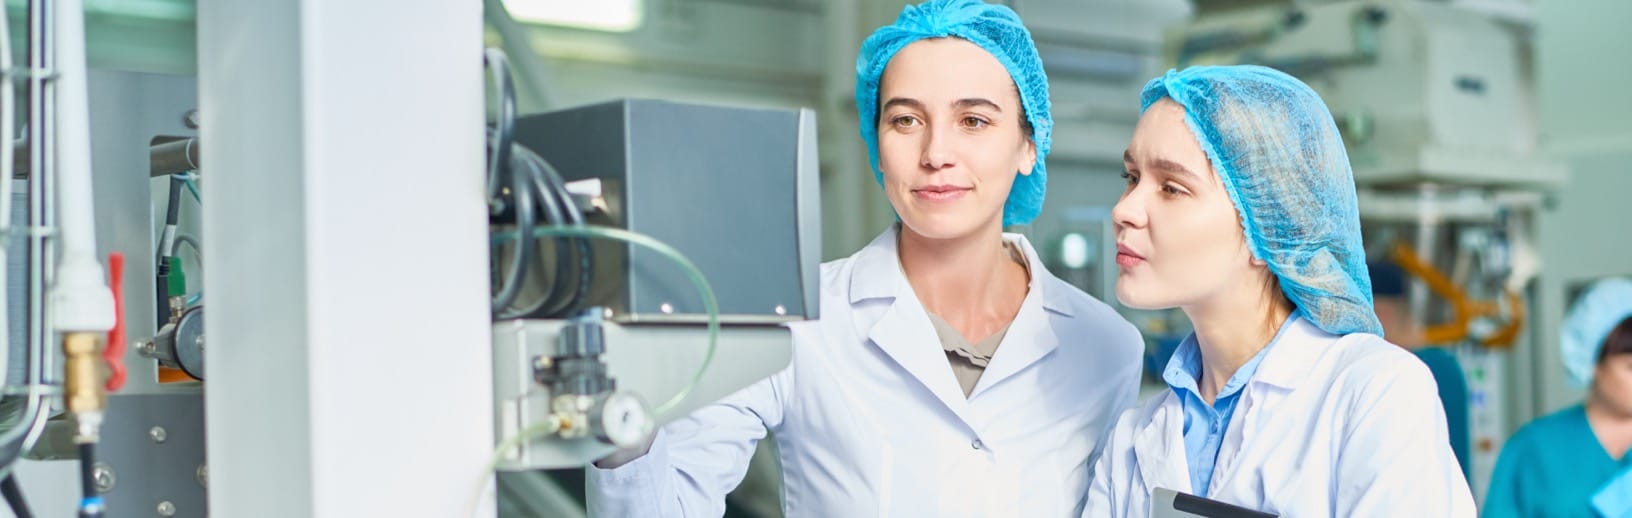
{"type": "Point", "coordinates": [349, 361]}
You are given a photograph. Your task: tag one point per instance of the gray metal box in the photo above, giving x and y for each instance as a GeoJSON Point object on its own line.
{"type": "Point", "coordinates": [733, 189]}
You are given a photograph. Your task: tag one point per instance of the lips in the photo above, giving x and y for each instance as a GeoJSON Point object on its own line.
{"type": "Point", "coordinates": [1126, 257]}
{"type": "Point", "coordinates": [940, 192]}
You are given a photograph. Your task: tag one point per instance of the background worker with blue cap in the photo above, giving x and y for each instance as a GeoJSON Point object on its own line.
{"type": "Point", "coordinates": [1241, 210]}
{"type": "Point", "coordinates": [950, 373]}
{"type": "Point", "coordinates": [1574, 462]}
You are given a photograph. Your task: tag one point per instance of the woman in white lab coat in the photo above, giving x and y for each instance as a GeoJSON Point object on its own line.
{"type": "Point", "coordinates": [950, 373]}
{"type": "Point", "coordinates": [1241, 211]}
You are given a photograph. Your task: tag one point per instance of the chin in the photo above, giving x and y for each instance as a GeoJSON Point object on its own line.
{"type": "Point", "coordinates": [1129, 294]}
{"type": "Point", "coordinates": [944, 225]}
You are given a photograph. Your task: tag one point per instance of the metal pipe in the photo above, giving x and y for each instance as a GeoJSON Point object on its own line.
{"type": "Point", "coordinates": [167, 158]}
{"type": "Point", "coordinates": [46, 150]}
{"type": "Point", "coordinates": [174, 157]}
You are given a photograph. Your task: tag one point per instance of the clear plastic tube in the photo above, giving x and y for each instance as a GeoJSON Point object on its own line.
{"type": "Point", "coordinates": [545, 427]}
{"type": "Point", "coordinates": [695, 275]}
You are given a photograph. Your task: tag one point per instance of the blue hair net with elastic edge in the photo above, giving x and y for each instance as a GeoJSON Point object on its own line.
{"type": "Point", "coordinates": [998, 30]}
{"type": "Point", "coordinates": [1275, 146]}
{"type": "Point", "coordinates": [1602, 307]}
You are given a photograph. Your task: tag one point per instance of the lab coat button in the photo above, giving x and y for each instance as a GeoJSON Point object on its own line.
{"type": "Point", "coordinates": [977, 444]}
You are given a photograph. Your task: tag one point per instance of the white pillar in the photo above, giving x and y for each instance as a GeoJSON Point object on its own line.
{"type": "Point", "coordinates": [349, 361]}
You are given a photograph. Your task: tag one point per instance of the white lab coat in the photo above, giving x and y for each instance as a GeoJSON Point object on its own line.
{"type": "Point", "coordinates": [870, 421]}
{"type": "Point", "coordinates": [1329, 426]}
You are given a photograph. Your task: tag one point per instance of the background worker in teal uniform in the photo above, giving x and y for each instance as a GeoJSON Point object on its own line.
{"type": "Point", "coordinates": [1574, 462]}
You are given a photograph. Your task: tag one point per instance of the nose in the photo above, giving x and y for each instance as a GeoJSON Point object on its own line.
{"type": "Point", "coordinates": [937, 152]}
{"type": "Point", "coordinates": [1129, 212]}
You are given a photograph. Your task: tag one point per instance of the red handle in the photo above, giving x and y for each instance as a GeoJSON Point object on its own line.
{"type": "Point", "coordinates": [114, 354]}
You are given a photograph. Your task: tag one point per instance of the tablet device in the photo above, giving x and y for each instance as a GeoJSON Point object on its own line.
{"type": "Point", "coordinates": [1167, 503]}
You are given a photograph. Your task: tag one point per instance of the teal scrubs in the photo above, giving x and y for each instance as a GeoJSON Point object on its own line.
{"type": "Point", "coordinates": [1551, 467]}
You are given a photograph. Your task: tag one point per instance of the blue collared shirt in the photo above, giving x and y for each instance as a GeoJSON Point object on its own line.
{"type": "Point", "coordinates": [1204, 425]}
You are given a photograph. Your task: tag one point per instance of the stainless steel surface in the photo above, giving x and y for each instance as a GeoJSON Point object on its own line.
{"type": "Point", "coordinates": [151, 448]}
{"type": "Point", "coordinates": [685, 174]}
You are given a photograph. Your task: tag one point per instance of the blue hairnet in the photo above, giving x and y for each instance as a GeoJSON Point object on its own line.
{"type": "Point", "coordinates": [1274, 144]}
{"type": "Point", "coordinates": [1594, 315]}
{"type": "Point", "coordinates": [992, 27]}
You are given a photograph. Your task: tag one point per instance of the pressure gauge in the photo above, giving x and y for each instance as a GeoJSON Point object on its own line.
{"type": "Point", "coordinates": [623, 420]}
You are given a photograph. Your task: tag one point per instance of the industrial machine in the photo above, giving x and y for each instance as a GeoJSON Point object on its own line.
{"type": "Point", "coordinates": [629, 285]}
{"type": "Point", "coordinates": [1436, 105]}
{"type": "Point", "coordinates": [676, 182]}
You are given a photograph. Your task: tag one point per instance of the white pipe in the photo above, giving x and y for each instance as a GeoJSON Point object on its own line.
{"type": "Point", "coordinates": [80, 299]}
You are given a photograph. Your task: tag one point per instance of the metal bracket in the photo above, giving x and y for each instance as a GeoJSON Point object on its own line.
{"type": "Point", "coordinates": [30, 73]}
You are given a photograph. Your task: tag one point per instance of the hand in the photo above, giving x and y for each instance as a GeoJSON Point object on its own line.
{"type": "Point", "coordinates": [624, 456]}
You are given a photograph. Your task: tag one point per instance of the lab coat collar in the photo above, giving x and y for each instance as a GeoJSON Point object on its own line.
{"type": "Point", "coordinates": [1159, 446]}
{"type": "Point", "coordinates": [1029, 339]}
{"type": "Point", "coordinates": [878, 273]}
{"type": "Point", "coordinates": [905, 333]}
{"type": "Point", "coordinates": [1286, 366]}
{"type": "Point", "coordinates": [1294, 356]}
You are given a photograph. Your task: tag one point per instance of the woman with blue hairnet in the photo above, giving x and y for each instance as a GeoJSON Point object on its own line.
{"type": "Point", "coordinates": [1241, 210]}
{"type": "Point", "coordinates": [950, 374]}
{"type": "Point", "coordinates": [1574, 462]}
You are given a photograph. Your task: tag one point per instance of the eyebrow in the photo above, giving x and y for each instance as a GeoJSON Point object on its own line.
{"type": "Point", "coordinates": [960, 103]}
{"type": "Point", "coordinates": [978, 102]}
{"type": "Point", "coordinates": [1166, 166]}
{"type": "Point", "coordinates": [902, 101]}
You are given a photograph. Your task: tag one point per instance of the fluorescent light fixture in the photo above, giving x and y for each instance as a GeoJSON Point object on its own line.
{"type": "Point", "coordinates": [601, 15]}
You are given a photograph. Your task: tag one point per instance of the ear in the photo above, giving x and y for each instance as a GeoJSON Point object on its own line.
{"type": "Point", "coordinates": [1028, 158]}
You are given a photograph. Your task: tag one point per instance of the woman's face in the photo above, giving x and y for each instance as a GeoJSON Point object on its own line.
{"type": "Point", "coordinates": [1612, 381]}
{"type": "Point", "coordinates": [950, 138]}
{"type": "Point", "coordinates": [1179, 238]}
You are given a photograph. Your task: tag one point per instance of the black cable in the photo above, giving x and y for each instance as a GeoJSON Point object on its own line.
{"type": "Point", "coordinates": [499, 154]}
{"type": "Point", "coordinates": [527, 177]}
{"type": "Point", "coordinates": [534, 177]}
{"type": "Point", "coordinates": [511, 286]}
{"type": "Point", "coordinates": [91, 506]}
{"type": "Point", "coordinates": [575, 217]}
{"type": "Point", "coordinates": [172, 210]}
{"type": "Point", "coordinates": [172, 216]}
{"type": "Point", "coordinates": [14, 497]}
{"type": "Point", "coordinates": [559, 204]}
{"type": "Point", "coordinates": [500, 166]}
{"type": "Point", "coordinates": [547, 181]}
